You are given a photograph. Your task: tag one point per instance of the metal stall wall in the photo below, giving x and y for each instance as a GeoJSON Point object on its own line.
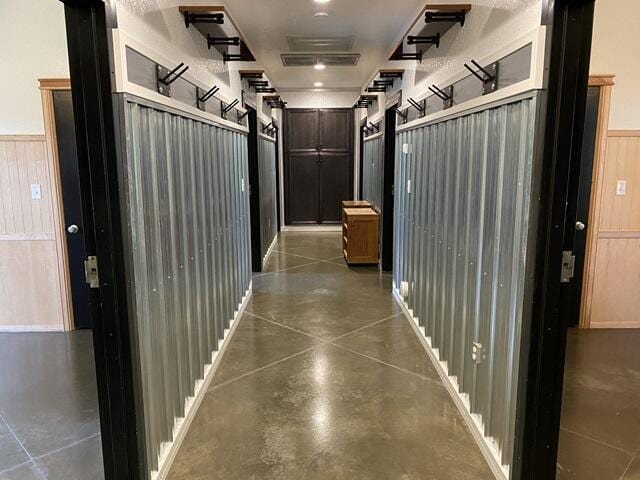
{"type": "Point", "coordinates": [373, 171]}
{"type": "Point", "coordinates": [268, 193]}
{"type": "Point", "coordinates": [461, 221]}
{"type": "Point", "coordinates": [189, 253]}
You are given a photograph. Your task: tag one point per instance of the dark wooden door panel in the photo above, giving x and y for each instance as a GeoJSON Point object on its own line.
{"type": "Point", "coordinates": [335, 130]}
{"type": "Point", "coordinates": [335, 183]}
{"type": "Point", "coordinates": [302, 128]}
{"type": "Point", "coordinates": [318, 164]}
{"type": "Point", "coordinates": [71, 201]}
{"type": "Point", "coordinates": [303, 188]}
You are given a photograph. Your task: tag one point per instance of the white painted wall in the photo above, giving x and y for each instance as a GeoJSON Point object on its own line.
{"type": "Point", "coordinates": [489, 26]}
{"type": "Point", "coordinates": [319, 98]}
{"type": "Point", "coordinates": [616, 39]}
{"type": "Point", "coordinates": [33, 45]}
{"type": "Point", "coordinates": [159, 26]}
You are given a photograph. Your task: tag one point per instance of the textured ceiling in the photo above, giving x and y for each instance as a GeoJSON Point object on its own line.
{"type": "Point", "coordinates": [374, 25]}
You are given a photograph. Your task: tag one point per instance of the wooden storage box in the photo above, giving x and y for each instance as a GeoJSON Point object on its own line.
{"type": "Point", "coordinates": [356, 204]}
{"type": "Point", "coordinates": [360, 235]}
{"type": "Point", "coordinates": [353, 204]}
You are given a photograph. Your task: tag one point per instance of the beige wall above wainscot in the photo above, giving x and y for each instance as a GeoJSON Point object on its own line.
{"type": "Point", "coordinates": [616, 37]}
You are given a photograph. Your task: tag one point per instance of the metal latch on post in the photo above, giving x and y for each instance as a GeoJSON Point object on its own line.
{"type": "Point", "coordinates": [568, 265]}
{"type": "Point", "coordinates": [91, 271]}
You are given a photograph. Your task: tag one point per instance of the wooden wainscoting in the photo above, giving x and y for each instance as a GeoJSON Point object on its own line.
{"type": "Point", "coordinates": [30, 290]}
{"type": "Point", "coordinates": [611, 297]}
{"type": "Point", "coordinates": [35, 291]}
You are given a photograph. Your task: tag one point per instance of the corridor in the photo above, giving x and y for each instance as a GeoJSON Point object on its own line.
{"type": "Point", "coordinates": [324, 378]}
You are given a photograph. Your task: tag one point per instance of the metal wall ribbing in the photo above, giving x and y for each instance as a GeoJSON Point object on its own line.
{"type": "Point", "coordinates": [461, 221]}
{"type": "Point", "coordinates": [189, 252]}
{"type": "Point", "coordinates": [268, 192]}
{"type": "Point", "coordinates": [373, 171]}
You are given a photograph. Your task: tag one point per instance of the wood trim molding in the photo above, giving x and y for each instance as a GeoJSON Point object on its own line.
{"type": "Point", "coordinates": [624, 133]}
{"type": "Point", "coordinates": [22, 138]}
{"type": "Point", "coordinates": [53, 164]}
{"type": "Point", "coordinates": [601, 80]}
{"type": "Point", "coordinates": [26, 237]}
{"type": "Point", "coordinates": [633, 325]}
{"type": "Point", "coordinates": [29, 328]}
{"type": "Point", "coordinates": [54, 83]}
{"type": "Point", "coordinates": [622, 234]}
{"type": "Point", "coordinates": [597, 188]}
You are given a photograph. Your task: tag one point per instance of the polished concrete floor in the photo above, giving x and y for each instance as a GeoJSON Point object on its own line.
{"type": "Point", "coordinates": [49, 426]}
{"type": "Point", "coordinates": [325, 379]}
{"type": "Point", "coordinates": [600, 425]}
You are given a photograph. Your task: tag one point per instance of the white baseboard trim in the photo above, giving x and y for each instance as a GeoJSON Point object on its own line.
{"type": "Point", "coordinates": [181, 425]}
{"type": "Point", "coordinates": [265, 259]}
{"type": "Point", "coordinates": [312, 228]}
{"type": "Point", "coordinates": [31, 328]}
{"type": "Point", "coordinates": [473, 421]}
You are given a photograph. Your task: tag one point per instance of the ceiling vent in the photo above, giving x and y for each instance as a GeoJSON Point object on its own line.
{"type": "Point", "coordinates": [338, 43]}
{"type": "Point", "coordinates": [329, 59]}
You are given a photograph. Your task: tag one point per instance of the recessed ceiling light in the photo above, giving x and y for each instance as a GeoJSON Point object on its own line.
{"type": "Point", "coordinates": [321, 14]}
{"type": "Point", "coordinates": [319, 66]}
{"type": "Point", "coordinates": [318, 84]}
{"type": "Point", "coordinates": [322, 1]}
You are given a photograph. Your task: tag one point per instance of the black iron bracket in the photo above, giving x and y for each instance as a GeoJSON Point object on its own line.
{"type": "Point", "coordinates": [420, 107]}
{"type": "Point", "coordinates": [384, 82]}
{"type": "Point", "coordinates": [488, 76]}
{"type": "Point", "coordinates": [410, 56]}
{"type": "Point", "coordinates": [244, 75]}
{"type": "Point", "coordinates": [242, 115]}
{"type": "Point", "coordinates": [456, 17]}
{"type": "Point", "coordinates": [365, 100]}
{"type": "Point", "coordinates": [226, 109]}
{"type": "Point", "coordinates": [445, 95]}
{"type": "Point", "coordinates": [203, 97]}
{"type": "Point", "coordinates": [269, 130]}
{"type": "Point", "coordinates": [400, 54]}
{"type": "Point", "coordinates": [265, 90]}
{"type": "Point", "coordinates": [236, 57]}
{"type": "Point", "coordinates": [401, 114]}
{"type": "Point", "coordinates": [258, 83]}
{"type": "Point", "coordinates": [192, 18]}
{"type": "Point", "coordinates": [394, 75]}
{"type": "Point", "coordinates": [275, 101]}
{"type": "Point", "coordinates": [228, 41]}
{"type": "Point", "coordinates": [432, 40]}
{"type": "Point", "coordinates": [164, 77]}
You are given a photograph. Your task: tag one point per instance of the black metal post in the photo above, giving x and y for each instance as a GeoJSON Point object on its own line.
{"type": "Point", "coordinates": [97, 137]}
{"type": "Point", "coordinates": [543, 344]}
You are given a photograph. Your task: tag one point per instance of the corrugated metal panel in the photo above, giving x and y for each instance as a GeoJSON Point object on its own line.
{"type": "Point", "coordinates": [268, 193]}
{"type": "Point", "coordinates": [461, 206]}
{"type": "Point", "coordinates": [189, 253]}
{"type": "Point", "coordinates": [373, 171]}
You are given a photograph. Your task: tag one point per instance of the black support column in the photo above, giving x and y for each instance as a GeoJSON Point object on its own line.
{"type": "Point", "coordinates": [96, 135]}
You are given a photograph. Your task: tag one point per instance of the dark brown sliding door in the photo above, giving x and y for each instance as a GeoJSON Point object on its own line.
{"type": "Point", "coordinates": [336, 170]}
{"type": "Point", "coordinates": [318, 164]}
